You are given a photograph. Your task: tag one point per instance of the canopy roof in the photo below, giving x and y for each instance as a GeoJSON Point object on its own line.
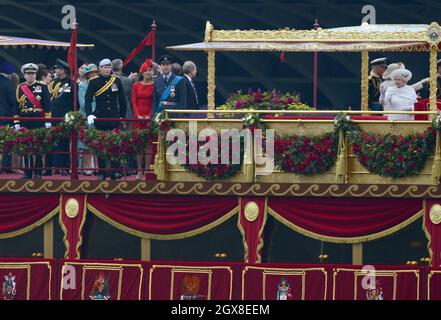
{"type": "Point", "coordinates": [15, 42]}
{"type": "Point", "coordinates": [411, 37]}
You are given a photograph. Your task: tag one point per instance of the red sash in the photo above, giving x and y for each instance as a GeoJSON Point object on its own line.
{"type": "Point", "coordinates": [30, 96]}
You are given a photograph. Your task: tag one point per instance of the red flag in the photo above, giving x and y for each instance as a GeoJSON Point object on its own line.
{"type": "Point", "coordinates": [72, 54]}
{"type": "Point", "coordinates": [149, 40]}
{"type": "Point", "coordinates": [282, 57]}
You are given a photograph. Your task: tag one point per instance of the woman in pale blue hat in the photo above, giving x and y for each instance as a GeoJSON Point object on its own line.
{"type": "Point", "coordinates": [87, 72]}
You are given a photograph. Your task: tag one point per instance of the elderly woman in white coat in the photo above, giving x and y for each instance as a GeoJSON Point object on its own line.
{"type": "Point", "coordinates": [400, 96]}
{"type": "Point", "coordinates": [389, 82]}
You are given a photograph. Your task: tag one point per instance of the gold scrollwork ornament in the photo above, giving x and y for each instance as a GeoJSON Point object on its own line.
{"type": "Point", "coordinates": [251, 211]}
{"type": "Point", "coordinates": [435, 214]}
{"type": "Point", "coordinates": [71, 208]}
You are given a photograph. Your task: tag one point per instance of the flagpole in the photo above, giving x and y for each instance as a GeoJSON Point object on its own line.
{"type": "Point", "coordinates": [154, 40]}
{"type": "Point", "coordinates": [74, 136]}
{"type": "Point", "coordinates": [316, 26]}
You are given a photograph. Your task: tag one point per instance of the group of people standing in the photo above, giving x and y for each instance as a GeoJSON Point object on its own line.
{"type": "Point", "coordinates": [104, 92]}
{"type": "Point", "coordinates": [389, 88]}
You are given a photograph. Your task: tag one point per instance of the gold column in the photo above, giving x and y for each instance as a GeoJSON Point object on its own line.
{"type": "Point", "coordinates": [364, 80]}
{"type": "Point", "coordinates": [436, 168]}
{"type": "Point", "coordinates": [49, 239]}
{"type": "Point", "coordinates": [211, 80]}
{"type": "Point", "coordinates": [341, 165]}
{"type": "Point", "coordinates": [433, 78]}
{"type": "Point", "coordinates": [357, 253]}
{"type": "Point", "coordinates": [146, 249]}
{"type": "Point", "coordinates": [159, 164]}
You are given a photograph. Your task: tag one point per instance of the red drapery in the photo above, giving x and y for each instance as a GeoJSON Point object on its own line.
{"type": "Point", "coordinates": [22, 213]}
{"type": "Point", "coordinates": [432, 227]}
{"type": "Point", "coordinates": [345, 220]}
{"type": "Point", "coordinates": [163, 217]}
{"type": "Point", "coordinates": [72, 218]}
{"type": "Point", "coordinates": [252, 219]}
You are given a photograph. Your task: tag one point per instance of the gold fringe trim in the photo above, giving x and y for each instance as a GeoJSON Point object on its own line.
{"type": "Point", "coordinates": [31, 227]}
{"type": "Point", "coordinates": [176, 236]}
{"type": "Point", "coordinates": [360, 239]}
{"type": "Point", "coordinates": [242, 231]}
{"type": "Point", "coordinates": [159, 164]}
{"type": "Point", "coordinates": [341, 158]}
{"type": "Point", "coordinates": [427, 233]}
{"type": "Point", "coordinates": [261, 243]}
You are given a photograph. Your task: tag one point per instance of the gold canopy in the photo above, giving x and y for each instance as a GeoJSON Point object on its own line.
{"type": "Point", "coordinates": [363, 38]}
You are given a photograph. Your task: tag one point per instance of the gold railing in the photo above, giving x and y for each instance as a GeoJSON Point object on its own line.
{"type": "Point", "coordinates": [347, 168]}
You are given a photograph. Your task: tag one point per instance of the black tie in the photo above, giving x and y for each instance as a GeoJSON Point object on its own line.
{"type": "Point", "coordinates": [166, 80]}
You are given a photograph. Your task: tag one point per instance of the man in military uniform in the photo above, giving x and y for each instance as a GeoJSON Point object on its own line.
{"type": "Point", "coordinates": [33, 99]}
{"type": "Point", "coordinates": [109, 94]}
{"type": "Point", "coordinates": [62, 94]}
{"type": "Point", "coordinates": [170, 91]}
{"type": "Point", "coordinates": [378, 67]}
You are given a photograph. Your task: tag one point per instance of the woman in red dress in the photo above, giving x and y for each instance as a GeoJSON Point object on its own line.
{"type": "Point", "coordinates": [142, 99]}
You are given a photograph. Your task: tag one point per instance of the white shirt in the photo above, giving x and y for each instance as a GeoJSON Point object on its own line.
{"type": "Point", "coordinates": [400, 99]}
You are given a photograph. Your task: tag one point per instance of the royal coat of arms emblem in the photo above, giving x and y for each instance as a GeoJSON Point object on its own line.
{"type": "Point", "coordinates": [9, 288]}
{"type": "Point", "coordinates": [375, 291]}
{"type": "Point", "coordinates": [284, 290]}
{"type": "Point", "coordinates": [100, 289]}
{"type": "Point", "coordinates": [190, 287]}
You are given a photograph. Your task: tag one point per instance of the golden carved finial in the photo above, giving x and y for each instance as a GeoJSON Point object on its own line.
{"type": "Point", "coordinates": [434, 33]}
{"type": "Point", "coordinates": [208, 31]}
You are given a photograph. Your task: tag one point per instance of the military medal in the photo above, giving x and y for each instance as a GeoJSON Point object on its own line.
{"type": "Point", "coordinates": [172, 93]}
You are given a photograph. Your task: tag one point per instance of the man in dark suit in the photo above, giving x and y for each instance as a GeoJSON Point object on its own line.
{"type": "Point", "coordinates": [169, 92]}
{"type": "Point", "coordinates": [190, 72]}
{"type": "Point", "coordinates": [8, 103]}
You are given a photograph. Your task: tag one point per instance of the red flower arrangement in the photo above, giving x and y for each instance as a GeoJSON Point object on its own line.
{"type": "Point", "coordinates": [391, 155]}
{"type": "Point", "coordinates": [306, 155]}
{"type": "Point", "coordinates": [212, 171]}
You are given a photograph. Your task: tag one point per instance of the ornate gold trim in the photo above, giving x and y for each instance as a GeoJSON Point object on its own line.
{"type": "Point", "coordinates": [427, 233]}
{"type": "Point", "coordinates": [224, 189]}
{"type": "Point", "coordinates": [251, 211]}
{"type": "Point", "coordinates": [435, 214]}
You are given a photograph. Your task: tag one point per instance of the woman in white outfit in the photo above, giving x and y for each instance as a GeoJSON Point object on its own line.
{"type": "Point", "coordinates": [389, 82]}
{"type": "Point", "coordinates": [400, 96]}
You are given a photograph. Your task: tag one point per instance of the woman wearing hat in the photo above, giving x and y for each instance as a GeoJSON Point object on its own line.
{"type": "Point", "coordinates": [86, 73]}
{"type": "Point", "coordinates": [400, 96]}
{"type": "Point", "coordinates": [142, 102]}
